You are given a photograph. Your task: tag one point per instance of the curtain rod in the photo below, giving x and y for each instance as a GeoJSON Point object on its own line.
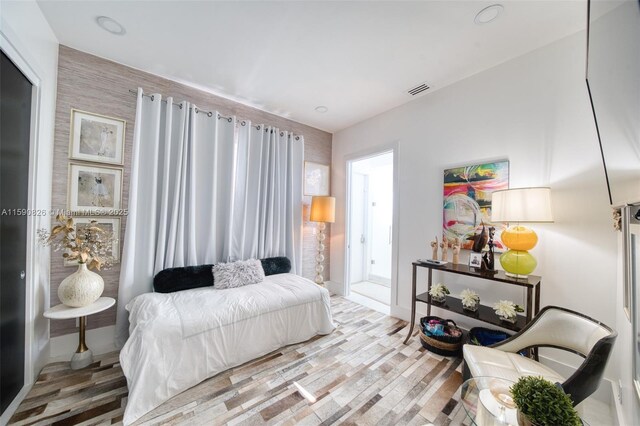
{"type": "Point", "coordinates": [210, 114]}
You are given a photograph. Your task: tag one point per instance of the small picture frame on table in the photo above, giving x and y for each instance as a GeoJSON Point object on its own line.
{"type": "Point", "coordinates": [96, 138]}
{"type": "Point", "coordinates": [475, 260]}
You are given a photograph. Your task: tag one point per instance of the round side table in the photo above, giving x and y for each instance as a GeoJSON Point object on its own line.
{"type": "Point", "coordinates": [488, 402]}
{"type": "Point", "coordinates": [83, 356]}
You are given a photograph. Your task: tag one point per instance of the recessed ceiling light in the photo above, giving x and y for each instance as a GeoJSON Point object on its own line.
{"type": "Point", "coordinates": [488, 14]}
{"type": "Point", "coordinates": [110, 25]}
{"type": "Point", "coordinates": [322, 109]}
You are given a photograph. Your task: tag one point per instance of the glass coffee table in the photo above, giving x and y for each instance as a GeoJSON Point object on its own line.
{"type": "Point", "coordinates": [487, 401]}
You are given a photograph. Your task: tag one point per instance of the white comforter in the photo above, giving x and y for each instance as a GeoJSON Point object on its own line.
{"type": "Point", "coordinates": [179, 339]}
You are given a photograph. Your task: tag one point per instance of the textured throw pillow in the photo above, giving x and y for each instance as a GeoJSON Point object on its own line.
{"type": "Point", "coordinates": [237, 274]}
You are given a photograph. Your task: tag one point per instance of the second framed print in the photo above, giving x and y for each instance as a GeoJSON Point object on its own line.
{"type": "Point", "coordinates": [94, 190]}
{"type": "Point", "coordinates": [97, 138]}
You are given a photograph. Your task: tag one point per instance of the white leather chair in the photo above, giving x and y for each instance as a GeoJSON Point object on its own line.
{"type": "Point", "coordinates": [553, 327]}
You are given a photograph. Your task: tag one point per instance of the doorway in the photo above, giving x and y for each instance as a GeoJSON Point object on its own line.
{"type": "Point", "coordinates": [370, 228]}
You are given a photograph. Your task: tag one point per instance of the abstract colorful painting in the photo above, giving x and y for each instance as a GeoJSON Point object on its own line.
{"type": "Point", "coordinates": [467, 200]}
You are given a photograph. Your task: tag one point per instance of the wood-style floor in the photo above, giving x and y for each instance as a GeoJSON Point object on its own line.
{"type": "Point", "coordinates": [361, 374]}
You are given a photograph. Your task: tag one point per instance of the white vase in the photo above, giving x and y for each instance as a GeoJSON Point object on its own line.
{"type": "Point", "coordinates": [81, 288]}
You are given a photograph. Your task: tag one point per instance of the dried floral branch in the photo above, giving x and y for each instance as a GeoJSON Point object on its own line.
{"type": "Point", "coordinates": [88, 244]}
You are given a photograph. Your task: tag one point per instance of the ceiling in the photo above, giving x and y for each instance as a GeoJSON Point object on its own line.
{"type": "Point", "coordinates": [356, 58]}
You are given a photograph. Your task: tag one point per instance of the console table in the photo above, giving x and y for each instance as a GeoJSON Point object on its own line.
{"type": "Point", "coordinates": [484, 313]}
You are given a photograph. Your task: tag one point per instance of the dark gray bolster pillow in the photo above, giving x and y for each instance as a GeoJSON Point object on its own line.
{"type": "Point", "coordinates": [185, 278]}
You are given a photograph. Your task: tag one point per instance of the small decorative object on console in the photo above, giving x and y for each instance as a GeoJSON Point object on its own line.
{"type": "Point", "coordinates": [470, 300]}
{"type": "Point", "coordinates": [507, 310]}
{"type": "Point", "coordinates": [475, 260]}
{"type": "Point", "coordinates": [444, 245]}
{"type": "Point", "coordinates": [480, 240]}
{"type": "Point", "coordinates": [434, 247]}
{"type": "Point", "coordinates": [488, 259]}
{"type": "Point", "coordinates": [455, 248]}
{"type": "Point", "coordinates": [88, 245]}
{"type": "Point", "coordinates": [439, 293]}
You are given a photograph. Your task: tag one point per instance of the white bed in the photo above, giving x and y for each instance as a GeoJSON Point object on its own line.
{"type": "Point", "coordinates": [179, 339]}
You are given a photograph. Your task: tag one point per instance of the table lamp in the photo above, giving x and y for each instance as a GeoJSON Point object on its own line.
{"type": "Point", "coordinates": [323, 210]}
{"type": "Point", "coordinates": [520, 205]}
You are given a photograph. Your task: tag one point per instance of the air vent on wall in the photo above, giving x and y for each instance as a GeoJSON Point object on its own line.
{"type": "Point", "coordinates": [418, 89]}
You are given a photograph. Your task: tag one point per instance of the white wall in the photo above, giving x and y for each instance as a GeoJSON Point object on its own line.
{"type": "Point", "coordinates": [25, 32]}
{"type": "Point", "coordinates": [533, 110]}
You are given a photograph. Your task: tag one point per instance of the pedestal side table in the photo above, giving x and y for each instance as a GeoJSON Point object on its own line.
{"type": "Point", "coordinates": [83, 356]}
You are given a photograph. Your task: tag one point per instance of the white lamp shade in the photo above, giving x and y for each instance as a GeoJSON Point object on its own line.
{"type": "Point", "coordinates": [521, 205]}
{"type": "Point", "coordinates": [323, 209]}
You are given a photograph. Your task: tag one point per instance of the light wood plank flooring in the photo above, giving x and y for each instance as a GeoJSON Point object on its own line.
{"type": "Point", "coordinates": [361, 374]}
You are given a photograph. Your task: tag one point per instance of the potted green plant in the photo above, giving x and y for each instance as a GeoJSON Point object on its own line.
{"type": "Point", "coordinates": [541, 403]}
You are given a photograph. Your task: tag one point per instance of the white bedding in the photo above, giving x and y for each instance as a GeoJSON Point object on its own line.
{"type": "Point", "coordinates": [179, 339]}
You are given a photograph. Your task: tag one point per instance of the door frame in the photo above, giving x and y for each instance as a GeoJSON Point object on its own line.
{"type": "Point", "coordinates": [12, 51]}
{"type": "Point", "coordinates": [349, 160]}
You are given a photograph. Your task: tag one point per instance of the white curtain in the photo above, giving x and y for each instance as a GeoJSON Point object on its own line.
{"type": "Point", "coordinates": [266, 218]}
{"type": "Point", "coordinates": [204, 191]}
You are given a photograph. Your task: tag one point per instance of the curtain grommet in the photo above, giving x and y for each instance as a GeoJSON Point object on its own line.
{"type": "Point", "coordinates": [209, 114]}
{"type": "Point", "coordinates": [152, 97]}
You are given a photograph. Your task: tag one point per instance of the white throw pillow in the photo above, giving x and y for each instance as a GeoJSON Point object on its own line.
{"type": "Point", "coordinates": [237, 274]}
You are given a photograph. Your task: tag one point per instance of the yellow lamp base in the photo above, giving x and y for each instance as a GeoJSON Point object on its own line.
{"type": "Point", "coordinates": [519, 238]}
{"type": "Point", "coordinates": [518, 263]}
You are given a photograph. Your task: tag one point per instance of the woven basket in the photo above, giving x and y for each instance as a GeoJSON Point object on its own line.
{"type": "Point", "coordinates": [441, 345]}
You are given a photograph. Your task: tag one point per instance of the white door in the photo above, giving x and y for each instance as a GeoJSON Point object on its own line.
{"type": "Point", "coordinates": [380, 220]}
{"type": "Point", "coordinates": [358, 229]}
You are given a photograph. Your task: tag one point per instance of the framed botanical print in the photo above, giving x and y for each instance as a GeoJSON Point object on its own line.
{"type": "Point", "coordinates": [316, 178]}
{"type": "Point", "coordinates": [96, 138]}
{"type": "Point", "coordinates": [111, 225]}
{"type": "Point", "coordinates": [94, 190]}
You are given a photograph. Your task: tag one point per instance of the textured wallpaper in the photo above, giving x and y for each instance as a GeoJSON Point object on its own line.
{"type": "Point", "coordinates": [96, 85]}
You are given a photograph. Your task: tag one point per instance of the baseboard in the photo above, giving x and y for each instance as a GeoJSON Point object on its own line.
{"type": "Point", "coordinates": [99, 340]}
{"type": "Point", "coordinates": [618, 411]}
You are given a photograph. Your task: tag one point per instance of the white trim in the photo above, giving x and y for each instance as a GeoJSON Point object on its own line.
{"type": "Point", "coordinates": [348, 160]}
{"type": "Point", "coordinates": [10, 45]}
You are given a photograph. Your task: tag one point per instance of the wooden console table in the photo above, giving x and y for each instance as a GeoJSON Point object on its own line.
{"type": "Point", "coordinates": [484, 313]}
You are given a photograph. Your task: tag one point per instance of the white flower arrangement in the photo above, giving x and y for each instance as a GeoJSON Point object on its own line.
{"type": "Point", "coordinates": [439, 292]}
{"type": "Point", "coordinates": [470, 299]}
{"type": "Point", "coordinates": [507, 309]}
